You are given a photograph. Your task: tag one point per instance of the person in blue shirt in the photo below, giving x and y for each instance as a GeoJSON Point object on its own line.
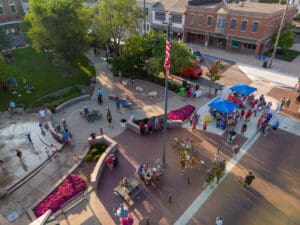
{"type": "Point", "coordinates": [276, 125]}
{"type": "Point", "coordinates": [99, 95]}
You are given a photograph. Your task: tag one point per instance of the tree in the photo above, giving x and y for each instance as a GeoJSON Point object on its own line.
{"type": "Point", "coordinates": [213, 73]}
{"type": "Point", "coordinates": [115, 19]}
{"type": "Point", "coordinates": [61, 26]}
{"type": "Point", "coordinates": [4, 40]}
{"type": "Point", "coordinates": [150, 49]}
{"type": "Point", "coordinates": [287, 37]}
{"type": "Point", "coordinates": [3, 67]}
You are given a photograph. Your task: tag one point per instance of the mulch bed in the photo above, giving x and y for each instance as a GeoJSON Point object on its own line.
{"type": "Point", "coordinates": [292, 111]}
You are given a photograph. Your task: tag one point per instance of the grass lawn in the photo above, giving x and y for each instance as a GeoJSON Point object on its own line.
{"type": "Point", "coordinates": [288, 55]}
{"type": "Point", "coordinates": [44, 76]}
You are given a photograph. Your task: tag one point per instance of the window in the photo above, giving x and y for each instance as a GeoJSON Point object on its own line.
{"type": "Point", "coordinates": [200, 20]}
{"type": "Point", "coordinates": [176, 18]}
{"type": "Point", "coordinates": [244, 25]}
{"type": "Point", "coordinates": [192, 19]}
{"type": "Point", "coordinates": [147, 27]}
{"type": "Point", "coordinates": [1, 8]}
{"type": "Point", "coordinates": [160, 16]}
{"type": "Point", "coordinates": [255, 27]}
{"type": "Point", "coordinates": [232, 24]}
{"type": "Point", "coordinates": [221, 22]}
{"type": "Point", "coordinates": [209, 20]}
{"type": "Point", "coordinates": [12, 7]}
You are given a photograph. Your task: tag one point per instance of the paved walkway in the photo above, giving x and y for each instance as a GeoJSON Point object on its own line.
{"type": "Point", "coordinates": [280, 69]}
{"type": "Point", "coordinates": [41, 184]}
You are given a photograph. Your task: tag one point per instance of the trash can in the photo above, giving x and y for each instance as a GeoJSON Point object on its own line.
{"type": "Point", "coordinates": [265, 64]}
{"type": "Point", "coordinates": [123, 123]}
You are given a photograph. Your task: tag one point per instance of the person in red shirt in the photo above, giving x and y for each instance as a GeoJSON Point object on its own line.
{"type": "Point", "coordinates": [259, 122]}
{"type": "Point", "coordinates": [109, 161]}
{"type": "Point", "coordinates": [248, 115]}
{"type": "Point", "coordinates": [242, 113]}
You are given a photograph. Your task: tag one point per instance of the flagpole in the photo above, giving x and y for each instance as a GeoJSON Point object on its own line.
{"type": "Point", "coordinates": [167, 68]}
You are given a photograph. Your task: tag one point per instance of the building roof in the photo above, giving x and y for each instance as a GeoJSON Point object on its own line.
{"type": "Point", "coordinates": [171, 5]}
{"type": "Point", "coordinates": [256, 7]}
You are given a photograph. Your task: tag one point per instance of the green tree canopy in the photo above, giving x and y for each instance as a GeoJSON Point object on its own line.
{"type": "Point", "coordinates": [115, 19]}
{"type": "Point", "coordinates": [149, 50]}
{"type": "Point", "coordinates": [59, 25]}
{"type": "Point", "coordinates": [287, 37]}
{"type": "Point", "coordinates": [213, 73]}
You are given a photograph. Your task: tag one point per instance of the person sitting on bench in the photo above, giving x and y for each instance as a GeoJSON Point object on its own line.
{"type": "Point", "coordinates": [86, 110]}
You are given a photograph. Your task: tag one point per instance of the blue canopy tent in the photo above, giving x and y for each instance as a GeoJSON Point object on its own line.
{"type": "Point", "coordinates": [243, 89]}
{"type": "Point", "coordinates": [222, 105]}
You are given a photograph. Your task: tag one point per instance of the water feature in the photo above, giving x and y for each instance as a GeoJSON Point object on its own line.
{"type": "Point", "coordinates": [14, 130]}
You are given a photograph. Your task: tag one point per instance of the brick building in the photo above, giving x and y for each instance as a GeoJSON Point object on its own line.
{"type": "Point", "coordinates": [11, 14]}
{"type": "Point", "coordinates": [247, 27]}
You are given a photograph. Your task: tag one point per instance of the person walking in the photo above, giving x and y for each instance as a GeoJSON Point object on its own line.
{"type": "Point", "coordinates": [109, 118]}
{"type": "Point", "coordinates": [194, 123]}
{"type": "Point", "coordinates": [248, 115]}
{"type": "Point", "coordinates": [109, 162]}
{"type": "Point", "coordinates": [287, 103]}
{"type": "Point", "coordinates": [210, 176]}
{"type": "Point", "coordinates": [264, 126]}
{"type": "Point", "coordinates": [242, 113]}
{"type": "Point", "coordinates": [219, 221]}
{"type": "Point", "coordinates": [219, 174]}
{"type": "Point", "coordinates": [282, 103]}
{"type": "Point", "coordinates": [29, 138]}
{"type": "Point", "coordinates": [99, 95]}
{"type": "Point", "coordinates": [275, 125]}
{"type": "Point", "coordinates": [19, 155]}
{"type": "Point", "coordinates": [244, 128]}
{"type": "Point", "coordinates": [118, 105]}
{"type": "Point", "coordinates": [182, 163]}
{"type": "Point", "coordinates": [248, 180]}
{"type": "Point", "coordinates": [255, 109]}
{"type": "Point", "coordinates": [259, 122]}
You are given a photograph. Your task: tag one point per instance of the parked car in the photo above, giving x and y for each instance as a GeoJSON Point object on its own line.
{"type": "Point", "coordinates": [196, 53]}
{"type": "Point", "coordinates": [195, 71]}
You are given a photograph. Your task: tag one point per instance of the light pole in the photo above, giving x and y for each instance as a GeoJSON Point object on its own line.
{"type": "Point", "coordinates": [278, 34]}
{"type": "Point", "coordinates": [144, 17]}
{"type": "Point", "coordinates": [167, 68]}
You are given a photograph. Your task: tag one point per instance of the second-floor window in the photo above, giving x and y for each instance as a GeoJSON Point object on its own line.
{"type": "Point", "coordinates": [177, 18]}
{"type": "Point", "coordinates": [209, 20]}
{"type": "Point", "coordinates": [1, 8]}
{"type": "Point", "coordinates": [200, 20]}
{"type": "Point", "coordinates": [160, 16]}
{"type": "Point", "coordinates": [221, 22]}
{"type": "Point", "coordinates": [243, 25]}
{"type": "Point", "coordinates": [232, 24]}
{"type": "Point", "coordinates": [12, 7]}
{"type": "Point", "coordinates": [255, 27]}
{"type": "Point", "coordinates": [192, 19]}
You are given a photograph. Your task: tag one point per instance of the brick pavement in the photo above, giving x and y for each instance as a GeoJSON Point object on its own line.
{"type": "Point", "coordinates": [102, 209]}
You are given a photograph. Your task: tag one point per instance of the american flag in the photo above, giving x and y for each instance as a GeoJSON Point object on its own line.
{"type": "Point", "coordinates": [168, 55]}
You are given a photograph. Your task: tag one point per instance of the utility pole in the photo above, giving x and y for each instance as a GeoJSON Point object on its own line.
{"type": "Point", "coordinates": [167, 68]}
{"type": "Point", "coordinates": [145, 18]}
{"type": "Point", "coordinates": [278, 34]}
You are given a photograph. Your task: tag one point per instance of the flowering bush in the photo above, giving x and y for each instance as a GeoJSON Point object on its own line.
{"type": "Point", "coordinates": [71, 186]}
{"type": "Point", "coordinates": [181, 113]}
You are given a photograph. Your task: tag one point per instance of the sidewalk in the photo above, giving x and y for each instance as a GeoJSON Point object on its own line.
{"type": "Point", "coordinates": [282, 73]}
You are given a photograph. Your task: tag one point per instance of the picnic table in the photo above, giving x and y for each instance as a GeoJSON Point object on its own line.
{"type": "Point", "coordinates": [131, 190]}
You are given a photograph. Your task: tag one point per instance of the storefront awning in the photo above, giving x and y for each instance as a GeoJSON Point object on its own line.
{"type": "Point", "coordinates": [244, 40]}
{"type": "Point", "coordinates": [195, 31]}
{"type": "Point", "coordinates": [216, 35]}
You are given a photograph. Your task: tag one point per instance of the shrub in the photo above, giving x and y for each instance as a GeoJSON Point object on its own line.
{"type": "Point", "coordinates": [88, 158]}
{"type": "Point", "coordinates": [97, 157]}
{"type": "Point", "coordinates": [94, 151]}
{"type": "Point", "coordinates": [102, 148]}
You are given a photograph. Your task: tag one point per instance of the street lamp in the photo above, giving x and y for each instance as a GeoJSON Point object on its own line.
{"type": "Point", "coordinates": [167, 68]}
{"type": "Point", "coordinates": [144, 17]}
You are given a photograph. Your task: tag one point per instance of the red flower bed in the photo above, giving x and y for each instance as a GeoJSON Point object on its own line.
{"type": "Point", "coordinates": [181, 113]}
{"type": "Point", "coordinates": [71, 186]}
